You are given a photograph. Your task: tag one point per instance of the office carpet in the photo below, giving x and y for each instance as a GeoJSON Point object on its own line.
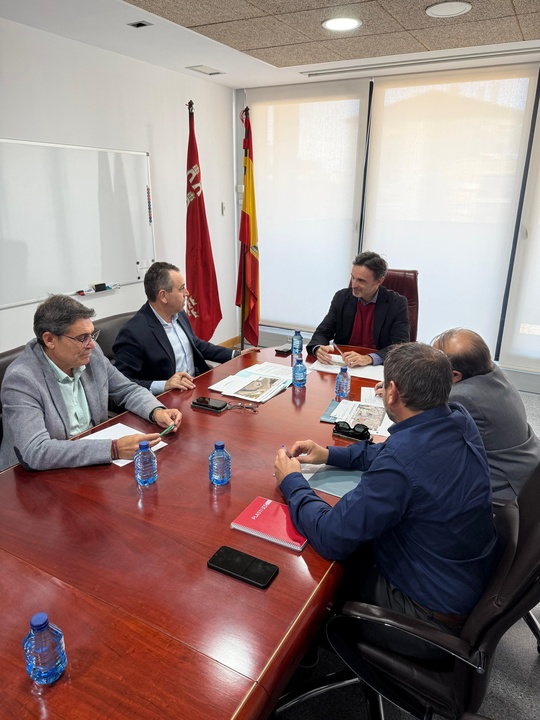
{"type": "Point", "coordinates": [514, 687]}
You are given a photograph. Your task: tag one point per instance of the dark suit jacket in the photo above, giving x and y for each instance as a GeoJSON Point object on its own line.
{"type": "Point", "coordinates": [143, 353]}
{"type": "Point", "coordinates": [390, 322]}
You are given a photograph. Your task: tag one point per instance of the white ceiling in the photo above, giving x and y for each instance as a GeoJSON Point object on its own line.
{"type": "Point", "coordinates": [104, 24]}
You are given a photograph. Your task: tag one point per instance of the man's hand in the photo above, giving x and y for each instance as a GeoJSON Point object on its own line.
{"type": "Point", "coordinates": [283, 465]}
{"type": "Point", "coordinates": [324, 354]}
{"type": "Point", "coordinates": [180, 381]}
{"type": "Point", "coordinates": [378, 389]}
{"type": "Point", "coordinates": [311, 452]}
{"type": "Point", "coordinates": [354, 359]}
{"type": "Point", "coordinates": [129, 444]}
{"type": "Point", "coordinates": [164, 417]}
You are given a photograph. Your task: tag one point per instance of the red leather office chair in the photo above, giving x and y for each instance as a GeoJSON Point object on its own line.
{"type": "Point", "coordinates": [405, 282]}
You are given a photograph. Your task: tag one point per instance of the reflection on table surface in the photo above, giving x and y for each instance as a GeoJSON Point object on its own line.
{"type": "Point", "coordinates": [151, 632]}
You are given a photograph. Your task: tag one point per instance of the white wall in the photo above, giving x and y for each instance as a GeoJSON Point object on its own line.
{"type": "Point", "coordinates": [61, 91]}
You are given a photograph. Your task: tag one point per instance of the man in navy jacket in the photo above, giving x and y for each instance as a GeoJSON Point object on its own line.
{"type": "Point", "coordinates": [365, 314]}
{"type": "Point", "coordinates": [423, 504]}
{"type": "Point", "coordinates": [157, 348]}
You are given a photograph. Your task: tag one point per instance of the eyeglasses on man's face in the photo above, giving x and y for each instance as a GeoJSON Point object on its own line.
{"type": "Point", "coordinates": [86, 339]}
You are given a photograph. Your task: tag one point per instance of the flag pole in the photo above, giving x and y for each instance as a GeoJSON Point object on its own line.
{"type": "Point", "coordinates": [244, 114]}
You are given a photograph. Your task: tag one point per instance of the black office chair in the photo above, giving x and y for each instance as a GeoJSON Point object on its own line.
{"type": "Point", "coordinates": [6, 358]}
{"type": "Point", "coordinates": [109, 328]}
{"type": "Point", "coordinates": [453, 687]}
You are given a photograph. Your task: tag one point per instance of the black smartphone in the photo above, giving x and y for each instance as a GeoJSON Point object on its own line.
{"type": "Point", "coordinates": [242, 566]}
{"type": "Point", "coordinates": [206, 403]}
{"type": "Point", "coordinates": [284, 350]}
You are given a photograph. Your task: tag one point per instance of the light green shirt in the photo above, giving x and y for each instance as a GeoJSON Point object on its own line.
{"type": "Point", "coordinates": [74, 397]}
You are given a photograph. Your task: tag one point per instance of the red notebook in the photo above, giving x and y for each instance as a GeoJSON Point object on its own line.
{"type": "Point", "coordinates": [270, 520]}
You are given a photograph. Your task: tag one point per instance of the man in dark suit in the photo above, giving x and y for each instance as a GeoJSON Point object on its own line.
{"type": "Point", "coordinates": [157, 348]}
{"type": "Point", "coordinates": [364, 314]}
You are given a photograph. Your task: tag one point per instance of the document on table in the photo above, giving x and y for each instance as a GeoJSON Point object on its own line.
{"type": "Point", "coordinates": [369, 412]}
{"type": "Point", "coordinates": [370, 372]}
{"type": "Point", "coordinates": [257, 383]}
{"type": "Point", "coordinates": [332, 480]}
{"type": "Point", "coordinates": [114, 432]}
{"type": "Point", "coordinates": [355, 413]}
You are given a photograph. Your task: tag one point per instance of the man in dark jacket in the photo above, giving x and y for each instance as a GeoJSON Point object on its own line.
{"type": "Point", "coordinates": [157, 348]}
{"type": "Point", "coordinates": [364, 314]}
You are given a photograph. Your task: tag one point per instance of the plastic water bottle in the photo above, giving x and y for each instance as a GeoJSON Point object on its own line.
{"type": "Point", "coordinates": [299, 374]}
{"type": "Point", "coordinates": [44, 650]}
{"type": "Point", "coordinates": [219, 464]}
{"type": "Point", "coordinates": [297, 345]}
{"type": "Point", "coordinates": [343, 384]}
{"type": "Point", "coordinates": [145, 464]}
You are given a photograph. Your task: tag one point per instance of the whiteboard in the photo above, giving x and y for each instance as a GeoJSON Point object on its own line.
{"type": "Point", "coordinates": [71, 217]}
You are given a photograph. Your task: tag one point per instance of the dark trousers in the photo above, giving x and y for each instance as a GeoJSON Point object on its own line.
{"type": "Point", "coordinates": [364, 583]}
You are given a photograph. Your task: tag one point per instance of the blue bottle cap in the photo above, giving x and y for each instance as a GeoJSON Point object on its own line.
{"type": "Point", "coordinates": [344, 368]}
{"type": "Point", "coordinates": [219, 445]}
{"type": "Point", "coordinates": [144, 445]}
{"type": "Point", "coordinates": [39, 621]}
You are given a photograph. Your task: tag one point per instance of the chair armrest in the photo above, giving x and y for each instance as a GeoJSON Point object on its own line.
{"type": "Point", "coordinates": [420, 629]}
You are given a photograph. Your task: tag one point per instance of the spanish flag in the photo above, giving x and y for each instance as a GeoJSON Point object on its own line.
{"type": "Point", "coordinates": [247, 289]}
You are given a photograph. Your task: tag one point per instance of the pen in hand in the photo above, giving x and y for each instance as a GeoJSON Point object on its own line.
{"type": "Point", "coordinates": [167, 430]}
{"type": "Point", "coordinates": [287, 452]}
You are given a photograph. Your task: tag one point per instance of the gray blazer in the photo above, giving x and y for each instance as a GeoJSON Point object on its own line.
{"type": "Point", "coordinates": [36, 430]}
{"type": "Point", "coordinates": [512, 448]}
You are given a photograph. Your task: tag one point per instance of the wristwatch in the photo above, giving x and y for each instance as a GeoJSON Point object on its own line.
{"type": "Point", "coordinates": [151, 416]}
{"type": "Point", "coordinates": [236, 353]}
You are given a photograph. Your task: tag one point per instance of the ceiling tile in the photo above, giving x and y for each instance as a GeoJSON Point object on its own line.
{"type": "Point", "coordinates": [251, 34]}
{"type": "Point", "coordinates": [530, 26]}
{"type": "Point", "coordinates": [412, 13]}
{"type": "Point", "coordinates": [375, 45]}
{"type": "Point", "coordinates": [525, 6]}
{"type": "Point", "coordinates": [273, 7]}
{"type": "Point", "coordinates": [199, 12]}
{"type": "Point", "coordinates": [375, 21]}
{"type": "Point", "coordinates": [292, 55]}
{"type": "Point", "coordinates": [486, 32]}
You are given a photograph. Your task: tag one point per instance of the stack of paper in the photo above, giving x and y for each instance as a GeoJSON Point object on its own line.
{"type": "Point", "coordinates": [257, 383]}
{"type": "Point", "coordinates": [370, 372]}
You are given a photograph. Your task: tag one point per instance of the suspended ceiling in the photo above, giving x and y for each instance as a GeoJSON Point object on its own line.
{"type": "Point", "coordinates": [271, 42]}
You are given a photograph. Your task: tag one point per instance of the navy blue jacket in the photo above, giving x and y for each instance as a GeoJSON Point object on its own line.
{"type": "Point", "coordinates": [425, 501]}
{"type": "Point", "coordinates": [143, 353]}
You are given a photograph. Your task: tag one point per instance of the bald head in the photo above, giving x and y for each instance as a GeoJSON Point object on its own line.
{"type": "Point", "coordinates": [467, 352]}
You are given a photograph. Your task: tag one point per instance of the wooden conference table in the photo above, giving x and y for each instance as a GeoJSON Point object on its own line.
{"type": "Point", "coordinates": [150, 631]}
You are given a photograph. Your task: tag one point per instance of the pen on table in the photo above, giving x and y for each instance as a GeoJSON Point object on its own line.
{"type": "Point", "coordinates": [167, 429]}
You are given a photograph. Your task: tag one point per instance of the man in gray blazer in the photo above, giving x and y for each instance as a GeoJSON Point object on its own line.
{"type": "Point", "coordinates": [512, 448]}
{"type": "Point", "coordinates": [60, 386]}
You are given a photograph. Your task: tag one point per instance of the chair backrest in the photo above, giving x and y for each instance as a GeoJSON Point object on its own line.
{"type": "Point", "coordinates": [6, 358]}
{"type": "Point", "coordinates": [109, 328]}
{"type": "Point", "coordinates": [514, 588]}
{"type": "Point", "coordinates": [405, 282]}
